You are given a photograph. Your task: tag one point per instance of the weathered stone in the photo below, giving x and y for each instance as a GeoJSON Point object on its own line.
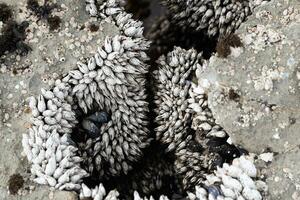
{"type": "Point", "coordinates": [53, 53]}
{"type": "Point", "coordinates": [264, 76]}
{"type": "Point", "coordinates": [254, 94]}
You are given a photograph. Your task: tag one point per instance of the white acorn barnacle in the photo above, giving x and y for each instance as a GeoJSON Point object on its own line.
{"type": "Point", "coordinates": [247, 166]}
{"type": "Point", "coordinates": [41, 105]}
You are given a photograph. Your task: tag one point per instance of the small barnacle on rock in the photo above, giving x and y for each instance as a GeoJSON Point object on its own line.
{"type": "Point", "coordinates": [5, 12]}
{"type": "Point", "coordinates": [224, 44]}
{"type": "Point", "coordinates": [12, 37]}
{"type": "Point", "coordinates": [15, 182]}
{"type": "Point", "coordinates": [292, 120]}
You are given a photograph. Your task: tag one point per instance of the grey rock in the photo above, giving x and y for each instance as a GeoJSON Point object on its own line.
{"type": "Point", "coordinates": [35, 71]}
{"type": "Point", "coordinates": [254, 93]}
{"type": "Point", "coordinates": [265, 78]}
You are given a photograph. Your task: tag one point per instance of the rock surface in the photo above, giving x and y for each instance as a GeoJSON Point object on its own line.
{"type": "Point", "coordinates": [254, 93]}
{"type": "Point", "coordinates": [53, 53]}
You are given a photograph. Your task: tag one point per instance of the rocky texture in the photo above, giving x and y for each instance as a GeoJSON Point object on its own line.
{"type": "Point", "coordinates": [21, 77]}
{"type": "Point", "coordinates": [254, 93]}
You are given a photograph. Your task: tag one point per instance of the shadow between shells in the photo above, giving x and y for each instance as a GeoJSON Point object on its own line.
{"type": "Point", "coordinates": [116, 128]}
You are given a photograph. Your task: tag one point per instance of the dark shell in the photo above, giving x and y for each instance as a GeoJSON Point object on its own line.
{"type": "Point", "coordinates": [214, 190]}
{"type": "Point", "coordinates": [99, 118]}
{"type": "Point", "coordinates": [93, 123]}
{"type": "Point", "coordinates": [91, 129]}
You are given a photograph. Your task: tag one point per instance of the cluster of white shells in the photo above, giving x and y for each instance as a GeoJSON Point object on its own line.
{"type": "Point", "coordinates": [174, 113]}
{"type": "Point", "coordinates": [52, 109]}
{"type": "Point", "coordinates": [214, 17]}
{"type": "Point", "coordinates": [53, 157]}
{"type": "Point", "coordinates": [172, 90]}
{"type": "Point", "coordinates": [203, 119]}
{"type": "Point", "coordinates": [234, 181]}
{"type": "Point", "coordinates": [114, 80]}
{"type": "Point", "coordinates": [99, 193]}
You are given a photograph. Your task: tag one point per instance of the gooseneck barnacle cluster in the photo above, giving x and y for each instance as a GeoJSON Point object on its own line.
{"type": "Point", "coordinates": [215, 17]}
{"type": "Point", "coordinates": [94, 123]}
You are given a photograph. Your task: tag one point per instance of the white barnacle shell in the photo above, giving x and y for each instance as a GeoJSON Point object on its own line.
{"type": "Point", "coordinates": [247, 166]}
{"type": "Point", "coordinates": [76, 74]}
{"type": "Point", "coordinates": [86, 192]}
{"type": "Point", "coordinates": [232, 170]}
{"type": "Point", "coordinates": [41, 105]}
{"type": "Point", "coordinates": [82, 67]}
{"type": "Point", "coordinates": [251, 194]}
{"type": "Point", "coordinates": [32, 102]}
{"type": "Point", "coordinates": [232, 183]}
{"type": "Point", "coordinates": [228, 192]}
{"type": "Point", "coordinates": [41, 180]}
{"type": "Point", "coordinates": [51, 166]}
{"type": "Point", "coordinates": [47, 94]}
{"type": "Point", "coordinates": [246, 181]}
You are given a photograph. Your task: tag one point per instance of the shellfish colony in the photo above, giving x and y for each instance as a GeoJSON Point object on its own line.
{"type": "Point", "coordinates": [92, 133]}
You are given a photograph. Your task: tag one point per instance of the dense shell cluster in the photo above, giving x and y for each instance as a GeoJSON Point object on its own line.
{"type": "Point", "coordinates": [203, 120]}
{"type": "Point", "coordinates": [94, 122]}
{"type": "Point", "coordinates": [99, 193]}
{"type": "Point", "coordinates": [114, 80]}
{"type": "Point", "coordinates": [171, 94]}
{"type": "Point", "coordinates": [54, 159]}
{"type": "Point", "coordinates": [120, 78]}
{"type": "Point", "coordinates": [53, 109]}
{"type": "Point", "coordinates": [214, 17]}
{"type": "Point", "coordinates": [174, 115]}
{"type": "Point", "coordinates": [192, 163]}
{"type": "Point", "coordinates": [232, 181]}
